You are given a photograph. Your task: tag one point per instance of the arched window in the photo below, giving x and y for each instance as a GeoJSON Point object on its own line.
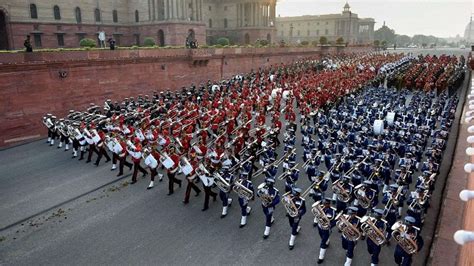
{"type": "Point", "coordinates": [97, 15]}
{"type": "Point", "coordinates": [225, 23]}
{"type": "Point", "coordinates": [137, 16]}
{"type": "Point", "coordinates": [78, 15]}
{"type": "Point", "coordinates": [57, 13]}
{"type": "Point", "coordinates": [161, 38]}
{"type": "Point", "coordinates": [33, 11]}
{"type": "Point", "coordinates": [210, 23]}
{"type": "Point", "coordinates": [115, 16]}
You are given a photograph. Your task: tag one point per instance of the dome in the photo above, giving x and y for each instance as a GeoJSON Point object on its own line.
{"type": "Point", "coordinates": [469, 31]}
{"type": "Point", "coordinates": [347, 6]}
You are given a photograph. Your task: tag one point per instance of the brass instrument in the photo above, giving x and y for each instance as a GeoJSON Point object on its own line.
{"type": "Point", "coordinates": [283, 158]}
{"type": "Point", "coordinates": [419, 201]}
{"type": "Point", "coordinates": [312, 159]}
{"type": "Point", "coordinates": [367, 225]}
{"type": "Point", "coordinates": [406, 241]}
{"type": "Point", "coordinates": [392, 201]}
{"type": "Point", "coordinates": [287, 172]}
{"type": "Point", "coordinates": [287, 201]}
{"type": "Point", "coordinates": [342, 194]}
{"type": "Point", "coordinates": [356, 166]}
{"type": "Point", "coordinates": [239, 127]}
{"type": "Point", "coordinates": [262, 193]}
{"type": "Point", "coordinates": [242, 191]}
{"type": "Point", "coordinates": [223, 185]}
{"type": "Point", "coordinates": [48, 122]}
{"type": "Point", "coordinates": [361, 196]}
{"type": "Point", "coordinates": [349, 231]}
{"type": "Point", "coordinates": [318, 211]}
{"type": "Point", "coordinates": [237, 166]}
{"type": "Point", "coordinates": [185, 166]}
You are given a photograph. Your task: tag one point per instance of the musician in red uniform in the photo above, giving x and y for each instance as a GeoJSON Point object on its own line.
{"type": "Point", "coordinates": [100, 146]}
{"type": "Point", "coordinates": [122, 157]}
{"type": "Point", "coordinates": [191, 178]}
{"type": "Point", "coordinates": [136, 158]}
{"type": "Point", "coordinates": [172, 171]}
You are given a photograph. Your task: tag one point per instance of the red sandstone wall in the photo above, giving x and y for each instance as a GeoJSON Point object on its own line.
{"type": "Point", "coordinates": [31, 85]}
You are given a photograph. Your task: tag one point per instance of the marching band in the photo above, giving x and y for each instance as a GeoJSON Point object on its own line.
{"type": "Point", "coordinates": [362, 143]}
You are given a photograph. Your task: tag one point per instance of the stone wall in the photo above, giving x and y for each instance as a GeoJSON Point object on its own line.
{"type": "Point", "coordinates": [32, 86]}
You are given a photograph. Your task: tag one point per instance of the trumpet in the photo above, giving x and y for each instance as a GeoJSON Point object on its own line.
{"type": "Point", "coordinates": [367, 225]}
{"type": "Point", "coordinates": [349, 231]}
{"type": "Point", "coordinates": [406, 241]}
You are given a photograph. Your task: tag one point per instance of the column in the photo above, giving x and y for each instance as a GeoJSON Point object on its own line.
{"type": "Point", "coordinates": [166, 10]}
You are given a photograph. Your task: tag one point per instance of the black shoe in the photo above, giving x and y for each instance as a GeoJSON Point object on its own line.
{"type": "Point", "coordinates": [197, 194]}
{"type": "Point", "coordinates": [108, 160]}
{"type": "Point", "coordinates": [133, 182]}
{"type": "Point", "coordinates": [96, 164]}
{"type": "Point", "coordinates": [148, 188]}
{"type": "Point", "coordinates": [144, 174]}
{"type": "Point", "coordinates": [179, 184]}
{"type": "Point", "coordinates": [222, 216]}
{"type": "Point", "coordinates": [205, 209]}
{"type": "Point", "coordinates": [185, 202]}
{"type": "Point", "coordinates": [170, 193]}
{"type": "Point", "coordinates": [320, 261]}
{"type": "Point", "coordinates": [80, 159]}
{"type": "Point", "coordinates": [265, 236]}
{"type": "Point", "coordinates": [119, 174]}
{"type": "Point", "coordinates": [214, 198]}
{"type": "Point", "coordinates": [242, 225]}
{"type": "Point", "coordinates": [291, 247]}
{"type": "Point", "coordinates": [130, 168]}
{"type": "Point", "coordinates": [315, 224]}
{"type": "Point", "coordinates": [59, 147]}
{"type": "Point", "coordinates": [88, 161]}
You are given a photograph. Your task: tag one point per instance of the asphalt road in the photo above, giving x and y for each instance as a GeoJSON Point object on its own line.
{"type": "Point", "coordinates": [56, 211]}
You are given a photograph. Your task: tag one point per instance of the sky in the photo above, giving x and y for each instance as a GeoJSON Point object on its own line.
{"type": "Point", "coordinates": [441, 18]}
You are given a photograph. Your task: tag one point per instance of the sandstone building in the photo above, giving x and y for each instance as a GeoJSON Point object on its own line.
{"type": "Point", "coordinates": [63, 23]}
{"type": "Point", "coordinates": [348, 25]}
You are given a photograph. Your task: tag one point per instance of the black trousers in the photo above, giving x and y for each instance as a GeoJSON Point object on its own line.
{"type": "Point", "coordinates": [92, 149]}
{"type": "Point", "coordinates": [171, 180]}
{"type": "Point", "coordinates": [101, 152]}
{"type": "Point", "coordinates": [123, 161]}
{"type": "Point", "coordinates": [137, 167]}
{"type": "Point", "coordinates": [191, 185]}
{"type": "Point", "coordinates": [208, 192]}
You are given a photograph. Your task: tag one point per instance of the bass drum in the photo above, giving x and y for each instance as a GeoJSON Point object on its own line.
{"type": "Point", "coordinates": [378, 127]}
{"type": "Point", "coordinates": [390, 118]}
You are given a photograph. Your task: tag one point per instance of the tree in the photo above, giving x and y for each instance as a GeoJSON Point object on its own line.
{"type": "Point", "coordinates": [323, 40]}
{"type": "Point", "coordinates": [384, 43]}
{"type": "Point", "coordinates": [377, 43]}
{"type": "Point", "coordinates": [340, 40]}
{"type": "Point", "coordinates": [403, 40]}
{"type": "Point", "coordinates": [149, 41]}
{"type": "Point", "coordinates": [385, 34]}
{"type": "Point", "coordinates": [305, 43]}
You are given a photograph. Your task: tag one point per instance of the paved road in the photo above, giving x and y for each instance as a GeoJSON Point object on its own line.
{"type": "Point", "coordinates": [437, 51]}
{"type": "Point", "coordinates": [83, 215]}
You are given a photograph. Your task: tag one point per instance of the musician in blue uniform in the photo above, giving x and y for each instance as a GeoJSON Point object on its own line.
{"type": "Point", "coordinates": [390, 199]}
{"type": "Point", "coordinates": [291, 179]}
{"type": "Point", "coordinates": [243, 202]}
{"type": "Point", "coordinates": [418, 204]}
{"type": "Point", "coordinates": [372, 247]}
{"type": "Point", "coordinates": [325, 230]}
{"type": "Point", "coordinates": [401, 256]}
{"type": "Point", "coordinates": [270, 198]}
{"type": "Point", "coordinates": [348, 244]}
{"type": "Point", "coordinates": [294, 221]}
{"type": "Point", "coordinates": [224, 195]}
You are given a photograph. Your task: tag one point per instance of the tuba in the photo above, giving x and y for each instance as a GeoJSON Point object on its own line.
{"type": "Point", "coordinates": [361, 196]}
{"type": "Point", "coordinates": [342, 194]}
{"type": "Point", "coordinates": [242, 191]}
{"type": "Point", "coordinates": [367, 225]}
{"type": "Point", "coordinates": [406, 241]}
{"type": "Point", "coordinates": [262, 193]}
{"type": "Point", "coordinates": [287, 201]}
{"type": "Point", "coordinates": [223, 185]}
{"type": "Point", "coordinates": [349, 231]}
{"type": "Point", "coordinates": [320, 216]}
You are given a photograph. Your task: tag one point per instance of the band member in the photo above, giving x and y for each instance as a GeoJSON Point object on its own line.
{"type": "Point", "coordinates": [136, 153]}
{"type": "Point", "coordinates": [92, 147]}
{"type": "Point", "coordinates": [372, 247]}
{"type": "Point", "coordinates": [99, 144]}
{"type": "Point", "coordinates": [152, 161]}
{"type": "Point", "coordinates": [192, 178]}
{"type": "Point", "coordinates": [401, 256]}
{"type": "Point", "coordinates": [224, 195]}
{"type": "Point", "coordinates": [348, 244]}
{"type": "Point", "coordinates": [244, 201]}
{"type": "Point", "coordinates": [295, 221]}
{"type": "Point", "coordinates": [325, 230]}
{"type": "Point", "coordinates": [122, 157]}
{"type": "Point", "coordinates": [270, 198]}
{"type": "Point", "coordinates": [207, 182]}
{"type": "Point", "coordinates": [172, 171]}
